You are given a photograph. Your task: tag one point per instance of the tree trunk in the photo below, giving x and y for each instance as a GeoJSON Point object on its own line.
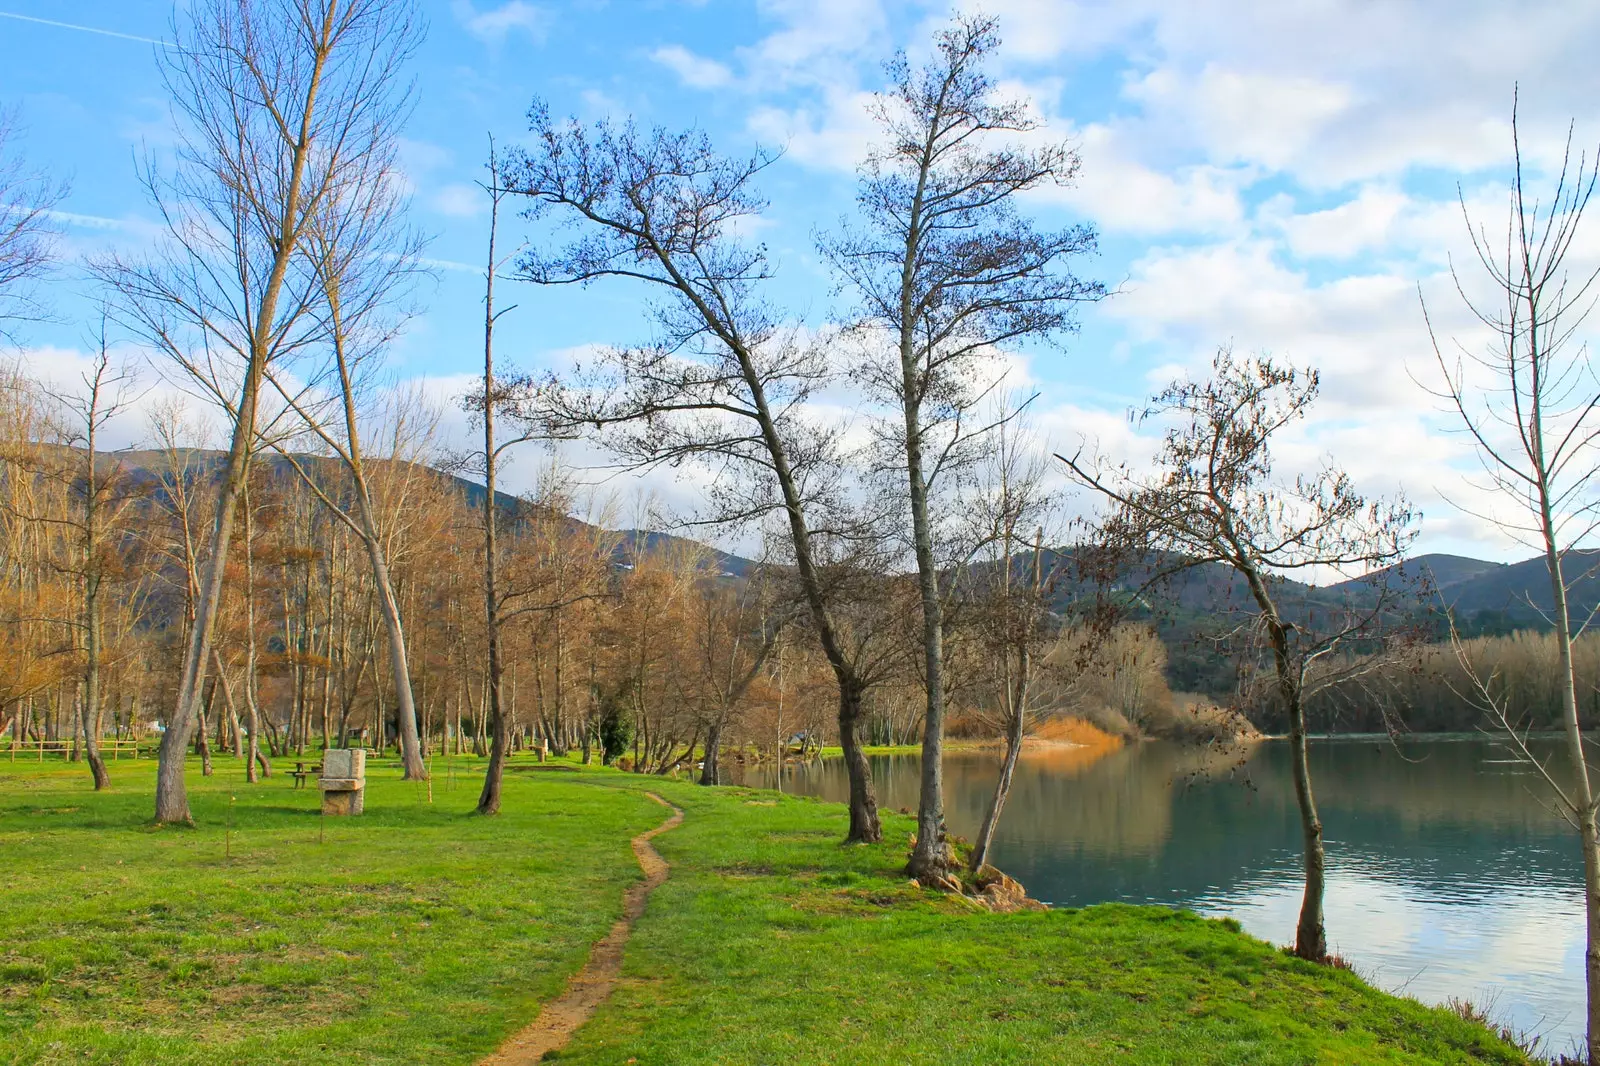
{"type": "Point", "coordinates": [406, 714]}
{"type": "Point", "coordinates": [1002, 789]}
{"type": "Point", "coordinates": [1582, 789]}
{"type": "Point", "coordinates": [1310, 937]}
{"type": "Point", "coordinates": [91, 701]}
{"type": "Point", "coordinates": [252, 705]}
{"type": "Point", "coordinates": [494, 773]}
{"type": "Point", "coordinates": [710, 772]}
{"type": "Point", "coordinates": [202, 745]}
{"type": "Point", "coordinates": [865, 828]}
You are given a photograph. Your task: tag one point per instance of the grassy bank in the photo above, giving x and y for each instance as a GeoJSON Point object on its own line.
{"type": "Point", "coordinates": [420, 933]}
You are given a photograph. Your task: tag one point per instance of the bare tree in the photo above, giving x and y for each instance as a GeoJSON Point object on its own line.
{"type": "Point", "coordinates": [724, 386]}
{"type": "Point", "coordinates": [734, 631]}
{"type": "Point", "coordinates": [363, 255]}
{"type": "Point", "coordinates": [513, 397]}
{"type": "Point", "coordinates": [948, 270]}
{"type": "Point", "coordinates": [276, 100]}
{"type": "Point", "coordinates": [1008, 608]}
{"type": "Point", "coordinates": [1530, 403]}
{"type": "Point", "coordinates": [1212, 497]}
{"type": "Point", "coordinates": [103, 497]}
{"type": "Point", "coordinates": [27, 230]}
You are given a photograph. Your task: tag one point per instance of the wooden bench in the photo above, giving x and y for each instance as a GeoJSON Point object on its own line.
{"type": "Point", "coordinates": [300, 773]}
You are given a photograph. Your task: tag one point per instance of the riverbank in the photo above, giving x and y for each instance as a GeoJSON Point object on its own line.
{"type": "Point", "coordinates": [421, 933]}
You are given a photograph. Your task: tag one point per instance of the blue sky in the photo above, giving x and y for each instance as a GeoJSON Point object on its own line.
{"type": "Point", "coordinates": [1278, 176]}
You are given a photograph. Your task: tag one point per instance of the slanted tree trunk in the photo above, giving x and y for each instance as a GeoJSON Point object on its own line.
{"type": "Point", "coordinates": [865, 827]}
{"type": "Point", "coordinates": [1582, 798]}
{"type": "Point", "coordinates": [1311, 935]}
{"type": "Point", "coordinates": [1016, 689]}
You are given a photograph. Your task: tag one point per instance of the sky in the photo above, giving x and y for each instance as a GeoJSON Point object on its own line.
{"type": "Point", "coordinates": [1280, 177]}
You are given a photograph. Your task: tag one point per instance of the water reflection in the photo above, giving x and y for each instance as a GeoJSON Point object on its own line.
{"type": "Point", "coordinates": [1447, 874]}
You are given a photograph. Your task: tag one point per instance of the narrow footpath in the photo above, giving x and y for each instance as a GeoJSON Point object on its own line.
{"type": "Point", "coordinates": [592, 985]}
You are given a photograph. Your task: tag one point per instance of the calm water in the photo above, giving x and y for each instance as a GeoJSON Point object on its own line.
{"type": "Point", "coordinates": [1447, 876]}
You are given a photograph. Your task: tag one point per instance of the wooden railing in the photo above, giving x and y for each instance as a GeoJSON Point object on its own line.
{"type": "Point", "coordinates": [111, 749]}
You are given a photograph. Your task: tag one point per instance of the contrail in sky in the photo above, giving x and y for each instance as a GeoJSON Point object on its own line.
{"type": "Point", "coordinates": [85, 29]}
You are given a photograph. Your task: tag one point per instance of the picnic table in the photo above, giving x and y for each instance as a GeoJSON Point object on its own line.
{"type": "Point", "coordinates": [300, 773]}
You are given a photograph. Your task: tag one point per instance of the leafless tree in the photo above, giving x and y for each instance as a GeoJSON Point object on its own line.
{"type": "Point", "coordinates": [276, 101]}
{"type": "Point", "coordinates": [1213, 497]}
{"type": "Point", "coordinates": [27, 230]}
{"type": "Point", "coordinates": [513, 397]}
{"type": "Point", "coordinates": [1006, 606]}
{"type": "Point", "coordinates": [363, 255]}
{"type": "Point", "coordinates": [102, 495]}
{"type": "Point", "coordinates": [1530, 404]}
{"type": "Point", "coordinates": [736, 628]}
{"type": "Point", "coordinates": [947, 270]}
{"type": "Point", "coordinates": [725, 385]}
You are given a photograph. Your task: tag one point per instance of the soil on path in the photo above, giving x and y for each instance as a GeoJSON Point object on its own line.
{"type": "Point", "coordinates": [592, 985]}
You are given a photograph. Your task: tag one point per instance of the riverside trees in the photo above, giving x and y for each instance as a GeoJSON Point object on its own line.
{"type": "Point", "coordinates": [946, 270]}
{"type": "Point", "coordinates": [725, 384]}
{"type": "Point", "coordinates": [1213, 497]}
{"type": "Point", "coordinates": [1529, 402]}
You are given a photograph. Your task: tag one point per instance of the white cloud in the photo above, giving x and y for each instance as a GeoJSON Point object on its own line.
{"type": "Point", "coordinates": [1365, 334]}
{"type": "Point", "coordinates": [1039, 32]}
{"type": "Point", "coordinates": [818, 41]}
{"type": "Point", "coordinates": [1245, 117]}
{"type": "Point", "coordinates": [459, 200]}
{"type": "Point", "coordinates": [1124, 195]}
{"type": "Point", "coordinates": [835, 136]}
{"type": "Point", "coordinates": [495, 24]}
{"type": "Point", "coordinates": [1361, 224]}
{"type": "Point", "coordinates": [695, 71]}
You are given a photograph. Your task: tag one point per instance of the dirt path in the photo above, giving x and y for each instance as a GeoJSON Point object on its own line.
{"type": "Point", "coordinates": [592, 985]}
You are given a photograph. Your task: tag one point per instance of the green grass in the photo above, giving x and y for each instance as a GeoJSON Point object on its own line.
{"type": "Point", "coordinates": [422, 934]}
{"type": "Point", "coordinates": [415, 933]}
{"type": "Point", "coordinates": [772, 944]}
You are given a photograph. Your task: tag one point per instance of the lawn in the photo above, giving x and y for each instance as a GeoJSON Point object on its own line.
{"type": "Point", "coordinates": [419, 933]}
{"type": "Point", "coordinates": [415, 933]}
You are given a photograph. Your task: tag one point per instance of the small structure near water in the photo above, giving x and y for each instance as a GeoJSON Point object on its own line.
{"type": "Point", "coordinates": [343, 781]}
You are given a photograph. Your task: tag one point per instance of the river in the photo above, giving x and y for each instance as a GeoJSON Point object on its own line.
{"type": "Point", "coordinates": [1447, 875]}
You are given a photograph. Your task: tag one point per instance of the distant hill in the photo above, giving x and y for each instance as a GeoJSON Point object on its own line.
{"type": "Point", "coordinates": [1497, 597]}
{"type": "Point", "coordinates": [1487, 598]}
{"type": "Point", "coordinates": [146, 467]}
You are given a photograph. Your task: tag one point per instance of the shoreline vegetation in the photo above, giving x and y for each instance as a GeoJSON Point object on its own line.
{"type": "Point", "coordinates": [767, 942]}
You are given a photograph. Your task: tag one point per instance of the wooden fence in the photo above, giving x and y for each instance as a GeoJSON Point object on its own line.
{"type": "Point", "coordinates": [111, 749]}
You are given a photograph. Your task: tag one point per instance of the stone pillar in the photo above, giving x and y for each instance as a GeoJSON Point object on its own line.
{"type": "Point", "coordinates": [343, 781]}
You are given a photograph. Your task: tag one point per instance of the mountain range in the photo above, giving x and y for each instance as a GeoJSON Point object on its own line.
{"type": "Point", "coordinates": [1487, 598]}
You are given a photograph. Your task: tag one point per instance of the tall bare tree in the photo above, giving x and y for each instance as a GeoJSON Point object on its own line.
{"type": "Point", "coordinates": [1212, 497]}
{"type": "Point", "coordinates": [1530, 403]}
{"type": "Point", "coordinates": [276, 102]}
{"type": "Point", "coordinates": [363, 255]}
{"type": "Point", "coordinates": [514, 397]}
{"type": "Point", "coordinates": [103, 495]}
{"type": "Point", "coordinates": [947, 270]}
{"type": "Point", "coordinates": [724, 385]}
